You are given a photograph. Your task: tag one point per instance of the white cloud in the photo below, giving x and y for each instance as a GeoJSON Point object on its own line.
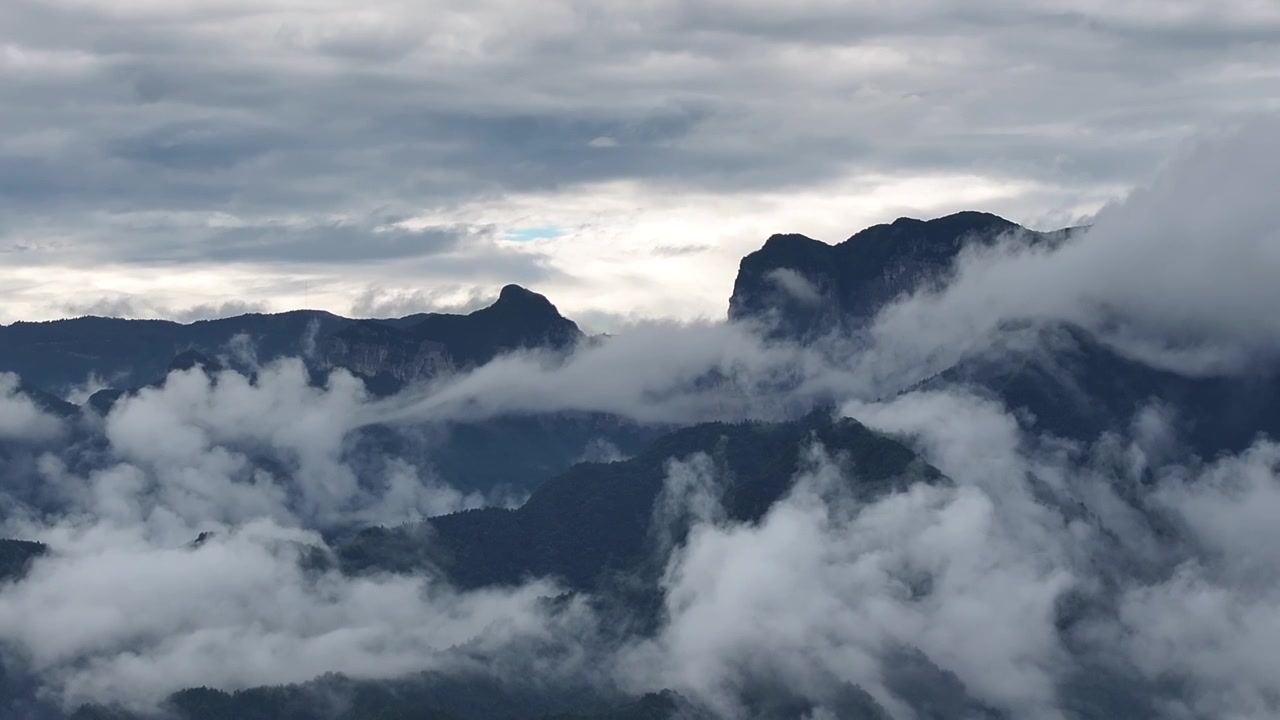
{"type": "Point", "coordinates": [112, 616]}
{"type": "Point", "coordinates": [1178, 274]}
{"type": "Point", "coordinates": [20, 418]}
{"type": "Point", "coordinates": [824, 590]}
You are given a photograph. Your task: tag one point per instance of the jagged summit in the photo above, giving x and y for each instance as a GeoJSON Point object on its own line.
{"type": "Point", "coordinates": [518, 301]}
{"type": "Point", "coordinates": [515, 294]}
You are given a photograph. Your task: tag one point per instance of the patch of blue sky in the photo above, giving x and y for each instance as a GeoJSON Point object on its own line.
{"type": "Point", "coordinates": [528, 234]}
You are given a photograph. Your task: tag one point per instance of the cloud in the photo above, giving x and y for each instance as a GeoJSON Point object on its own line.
{"type": "Point", "coordinates": [823, 591]}
{"type": "Point", "coordinates": [20, 418]}
{"type": "Point", "coordinates": [1173, 552]}
{"type": "Point", "coordinates": [1212, 623]}
{"type": "Point", "coordinates": [80, 394]}
{"type": "Point", "coordinates": [238, 610]}
{"type": "Point", "coordinates": [302, 129]}
{"type": "Point", "coordinates": [692, 494]}
{"type": "Point", "coordinates": [226, 450]}
{"type": "Point", "coordinates": [1177, 275]}
{"type": "Point", "coordinates": [650, 372]}
{"type": "Point", "coordinates": [381, 302]}
{"type": "Point", "coordinates": [254, 468]}
{"type": "Point", "coordinates": [1043, 562]}
{"type": "Point", "coordinates": [140, 307]}
{"type": "Point", "coordinates": [797, 286]}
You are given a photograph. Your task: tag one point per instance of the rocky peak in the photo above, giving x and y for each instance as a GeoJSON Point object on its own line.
{"type": "Point", "coordinates": [799, 287]}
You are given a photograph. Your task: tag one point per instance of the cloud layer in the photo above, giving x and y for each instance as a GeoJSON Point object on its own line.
{"type": "Point", "coordinates": [296, 153]}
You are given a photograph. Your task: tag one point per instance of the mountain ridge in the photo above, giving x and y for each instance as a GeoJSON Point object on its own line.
{"type": "Point", "coordinates": [57, 355]}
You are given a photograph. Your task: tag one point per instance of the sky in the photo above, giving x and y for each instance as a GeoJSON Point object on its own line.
{"type": "Point", "coordinates": [194, 159]}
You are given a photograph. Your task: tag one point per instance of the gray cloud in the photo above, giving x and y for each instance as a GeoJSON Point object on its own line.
{"type": "Point", "coordinates": [268, 114]}
{"type": "Point", "coordinates": [334, 243]}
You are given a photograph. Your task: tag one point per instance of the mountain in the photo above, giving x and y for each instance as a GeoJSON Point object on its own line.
{"type": "Point", "coordinates": [517, 452]}
{"type": "Point", "coordinates": [397, 352]}
{"type": "Point", "coordinates": [519, 319]}
{"type": "Point", "coordinates": [598, 519]}
{"type": "Point", "coordinates": [423, 697]}
{"type": "Point", "coordinates": [16, 556]}
{"type": "Point", "coordinates": [608, 500]}
{"type": "Point", "coordinates": [1067, 382]}
{"type": "Point", "coordinates": [47, 402]}
{"type": "Point", "coordinates": [801, 288]}
{"type": "Point", "coordinates": [58, 355]}
{"type": "Point", "coordinates": [595, 527]}
{"type": "Point", "coordinates": [504, 456]}
{"type": "Point", "coordinates": [1060, 377]}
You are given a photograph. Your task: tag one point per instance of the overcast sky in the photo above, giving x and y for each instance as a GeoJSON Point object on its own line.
{"type": "Point", "coordinates": [183, 159]}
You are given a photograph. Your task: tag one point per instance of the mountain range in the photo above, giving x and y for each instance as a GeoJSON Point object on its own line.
{"type": "Point", "coordinates": [593, 521]}
{"type": "Point", "coordinates": [57, 356]}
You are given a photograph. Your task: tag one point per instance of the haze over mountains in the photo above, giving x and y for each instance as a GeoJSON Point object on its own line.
{"type": "Point", "coordinates": [948, 468]}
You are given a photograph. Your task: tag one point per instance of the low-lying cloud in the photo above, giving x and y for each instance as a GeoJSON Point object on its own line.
{"type": "Point", "coordinates": [115, 616]}
{"type": "Point", "coordinates": [20, 417]}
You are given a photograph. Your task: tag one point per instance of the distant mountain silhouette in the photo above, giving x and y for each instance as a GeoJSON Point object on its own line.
{"type": "Point", "coordinates": [58, 355]}
{"type": "Point", "coordinates": [799, 288]}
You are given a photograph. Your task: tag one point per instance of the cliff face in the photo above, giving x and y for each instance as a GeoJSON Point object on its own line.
{"type": "Point", "coordinates": [371, 349]}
